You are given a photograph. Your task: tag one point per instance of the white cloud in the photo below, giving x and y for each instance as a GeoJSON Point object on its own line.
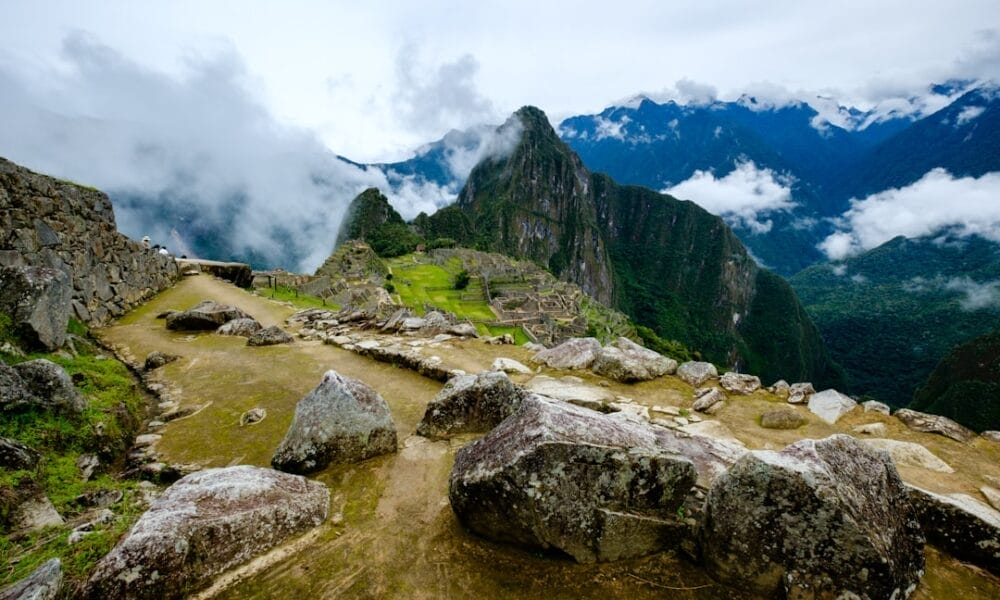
{"type": "Point", "coordinates": [839, 270]}
{"type": "Point", "coordinates": [606, 128]}
{"type": "Point", "coordinates": [968, 114]}
{"type": "Point", "coordinates": [966, 206]}
{"type": "Point", "coordinates": [977, 295]}
{"type": "Point", "coordinates": [742, 197]}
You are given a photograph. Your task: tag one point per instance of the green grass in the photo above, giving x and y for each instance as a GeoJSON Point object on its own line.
{"type": "Point", "coordinates": [288, 294]}
{"type": "Point", "coordinates": [422, 284]}
{"type": "Point", "coordinates": [519, 336]}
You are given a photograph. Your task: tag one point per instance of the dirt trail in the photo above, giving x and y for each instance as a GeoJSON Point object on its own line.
{"type": "Point", "coordinates": [392, 532]}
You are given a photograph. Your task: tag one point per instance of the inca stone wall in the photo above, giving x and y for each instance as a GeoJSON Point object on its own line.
{"type": "Point", "coordinates": [53, 223]}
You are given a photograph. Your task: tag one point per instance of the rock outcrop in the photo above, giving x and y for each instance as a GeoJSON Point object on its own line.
{"type": "Point", "coordinates": [576, 353]}
{"type": "Point", "coordinates": [270, 336]}
{"type": "Point", "coordinates": [471, 404]}
{"type": "Point", "coordinates": [37, 300]}
{"type": "Point", "coordinates": [204, 524]}
{"type": "Point", "coordinates": [240, 327]}
{"type": "Point", "coordinates": [822, 518]}
{"type": "Point", "coordinates": [51, 387]}
{"type": "Point", "coordinates": [696, 372]}
{"type": "Point", "coordinates": [558, 476]}
{"type": "Point", "coordinates": [960, 525]}
{"type": "Point", "coordinates": [926, 423]}
{"type": "Point", "coordinates": [204, 316]}
{"type": "Point", "coordinates": [830, 405]}
{"type": "Point", "coordinates": [629, 362]}
{"type": "Point", "coordinates": [341, 421]}
{"type": "Point", "coordinates": [44, 583]}
{"type": "Point", "coordinates": [45, 222]}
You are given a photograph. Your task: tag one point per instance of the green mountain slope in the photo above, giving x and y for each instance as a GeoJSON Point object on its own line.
{"type": "Point", "coordinates": [372, 219]}
{"type": "Point", "coordinates": [667, 263]}
{"type": "Point", "coordinates": [965, 385]}
{"type": "Point", "coordinates": [889, 315]}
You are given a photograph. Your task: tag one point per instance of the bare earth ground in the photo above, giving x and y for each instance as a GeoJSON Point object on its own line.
{"type": "Point", "coordinates": [392, 532]}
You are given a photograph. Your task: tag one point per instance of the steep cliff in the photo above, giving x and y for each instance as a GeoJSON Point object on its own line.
{"type": "Point", "coordinates": [667, 263]}
{"type": "Point", "coordinates": [965, 386]}
{"type": "Point", "coordinates": [52, 223]}
{"type": "Point", "coordinates": [370, 218]}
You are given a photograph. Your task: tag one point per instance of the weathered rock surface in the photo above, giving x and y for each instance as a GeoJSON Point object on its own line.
{"type": "Point", "coordinates": [341, 421]}
{"type": "Point", "coordinates": [204, 524]}
{"type": "Point", "coordinates": [36, 512]}
{"type": "Point", "coordinates": [573, 390]}
{"type": "Point", "coordinates": [37, 300]}
{"type": "Point", "coordinates": [240, 327]}
{"type": "Point", "coordinates": [928, 423]}
{"type": "Point", "coordinates": [830, 405]}
{"type": "Point", "coordinates": [205, 316]}
{"type": "Point", "coordinates": [629, 362]}
{"type": "Point", "coordinates": [910, 454]}
{"type": "Point", "coordinates": [509, 365]}
{"type": "Point", "coordinates": [156, 359]}
{"type": "Point", "coordinates": [993, 436]}
{"type": "Point", "coordinates": [992, 496]}
{"type": "Point", "coordinates": [799, 392]}
{"type": "Point", "coordinates": [44, 583]}
{"type": "Point", "coordinates": [270, 336]}
{"type": "Point", "coordinates": [558, 476]}
{"type": "Point", "coordinates": [821, 518]}
{"type": "Point", "coordinates": [697, 373]}
{"type": "Point", "coordinates": [875, 406]}
{"type": "Point", "coordinates": [51, 385]}
{"type": "Point", "coordinates": [782, 418]}
{"type": "Point", "coordinates": [960, 525]}
{"type": "Point", "coordinates": [471, 404]}
{"type": "Point", "coordinates": [739, 383]}
{"type": "Point", "coordinates": [252, 416]}
{"type": "Point", "coordinates": [708, 400]}
{"type": "Point", "coordinates": [15, 456]}
{"type": "Point", "coordinates": [14, 393]}
{"type": "Point", "coordinates": [576, 353]}
{"type": "Point", "coordinates": [871, 429]}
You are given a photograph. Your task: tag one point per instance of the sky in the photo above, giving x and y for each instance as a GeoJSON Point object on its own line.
{"type": "Point", "coordinates": [374, 80]}
{"type": "Point", "coordinates": [231, 113]}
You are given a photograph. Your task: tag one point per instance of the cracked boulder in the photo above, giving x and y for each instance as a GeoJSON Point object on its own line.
{"type": "Point", "coordinates": [471, 404]}
{"type": "Point", "coordinates": [629, 362]}
{"type": "Point", "coordinates": [824, 518]}
{"type": "Point", "coordinates": [696, 372]}
{"type": "Point", "coordinates": [205, 316]}
{"type": "Point", "coordinates": [961, 526]}
{"type": "Point", "coordinates": [341, 421]}
{"type": "Point", "coordinates": [554, 475]}
{"type": "Point", "coordinates": [204, 524]}
{"type": "Point", "coordinates": [927, 423]}
{"type": "Point", "coordinates": [575, 353]}
{"type": "Point", "coordinates": [270, 336]}
{"type": "Point", "coordinates": [38, 300]}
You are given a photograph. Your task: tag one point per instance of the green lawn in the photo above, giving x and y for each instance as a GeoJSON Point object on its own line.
{"type": "Point", "coordinates": [419, 284]}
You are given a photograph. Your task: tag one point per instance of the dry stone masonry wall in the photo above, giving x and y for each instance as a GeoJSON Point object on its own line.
{"type": "Point", "coordinates": [51, 223]}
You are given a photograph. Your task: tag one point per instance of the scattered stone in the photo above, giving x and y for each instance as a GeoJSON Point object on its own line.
{"type": "Point", "coordinates": [254, 415]}
{"type": "Point", "coordinates": [51, 385]}
{"type": "Point", "coordinates": [341, 421]}
{"type": "Point", "coordinates": [509, 365]}
{"type": "Point", "coordinates": [780, 388]}
{"type": "Point", "coordinates": [673, 411]}
{"type": "Point", "coordinates": [154, 425]}
{"type": "Point", "coordinates": [339, 340]}
{"type": "Point", "coordinates": [708, 399]}
{"type": "Point", "coordinates": [471, 404]}
{"type": "Point", "coordinates": [715, 408]}
{"type": "Point", "coordinates": [103, 517]}
{"type": "Point", "coordinates": [782, 418]}
{"type": "Point", "coordinates": [16, 456]}
{"type": "Point", "coordinates": [534, 347]}
{"type": "Point", "coordinates": [628, 409]}
{"type": "Point", "coordinates": [875, 406]}
{"type": "Point", "coordinates": [628, 362]}
{"type": "Point", "coordinates": [207, 523]}
{"type": "Point", "coordinates": [575, 353]}
{"type": "Point", "coordinates": [800, 392]}
{"type": "Point", "coordinates": [240, 327]}
{"type": "Point", "coordinates": [146, 439]}
{"type": "Point", "coordinates": [993, 436]}
{"type": "Point", "coordinates": [738, 383]}
{"type": "Point", "coordinates": [270, 336]}
{"type": "Point", "coordinates": [501, 340]}
{"type": "Point", "coordinates": [156, 359]}
{"type": "Point", "coordinates": [100, 498]}
{"type": "Point", "coordinates": [927, 423]}
{"type": "Point", "coordinates": [910, 454]}
{"type": "Point", "coordinates": [14, 393]}
{"type": "Point", "coordinates": [167, 313]}
{"type": "Point", "coordinates": [35, 513]}
{"type": "Point", "coordinates": [44, 583]}
{"type": "Point", "coordinates": [961, 526]}
{"type": "Point", "coordinates": [871, 429]}
{"type": "Point", "coordinates": [821, 518]}
{"type": "Point", "coordinates": [696, 373]}
{"type": "Point", "coordinates": [830, 405]}
{"type": "Point", "coordinates": [38, 302]}
{"type": "Point", "coordinates": [554, 475]}
{"type": "Point", "coordinates": [463, 330]}
{"type": "Point", "coordinates": [681, 421]}
{"type": "Point", "coordinates": [992, 496]}
{"type": "Point", "coordinates": [571, 389]}
{"type": "Point", "coordinates": [88, 464]}
{"type": "Point", "coordinates": [207, 315]}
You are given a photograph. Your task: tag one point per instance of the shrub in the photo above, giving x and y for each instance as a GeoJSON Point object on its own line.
{"type": "Point", "coordinates": [462, 280]}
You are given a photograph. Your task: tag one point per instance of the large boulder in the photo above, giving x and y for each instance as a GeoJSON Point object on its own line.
{"type": "Point", "coordinates": [509, 365]}
{"type": "Point", "coordinates": [16, 456]}
{"type": "Point", "coordinates": [204, 524]}
{"type": "Point", "coordinates": [629, 362]}
{"type": "Point", "coordinates": [697, 372]}
{"type": "Point", "coordinates": [44, 583]}
{"type": "Point", "coordinates": [554, 475]}
{"type": "Point", "coordinates": [471, 404]}
{"type": "Point", "coordinates": [830, 405]}
{"type": "Point", "coordinates": [739, 383]}
{"type": "Point", "coordinates": [34, 512]}
{"type": "Point", "coordinates": [927, 423]}
{"type": "Point", "coordinates": [706, 399]}
{"type": "Point", "coordinates": [573, 390]}
{"type": "Point", "coordinates": [14, 393]}
{"type": "Point", "coordinates": [782, 418]}
{"type": "Point", "coordinates": [240, 327]}
{"type": "Point", "coordinates": [910, 454]}
{"type": "Point", "coordinates": [822, 518]}
{"type": "Point", "coordinates": [341, 421]}
{"type": "Point", "coordinates": [51, 385]}
{"type": "Point", "coordinates": [576, 353]}
{"type": "Point", "coordinates": [38, 300]}
{"type": "Point", "coordinates": [270, 336]}
{"type": "Point", "coordinates": [960, 525]}
{"type": "Point", "coordinates": [205, 316]}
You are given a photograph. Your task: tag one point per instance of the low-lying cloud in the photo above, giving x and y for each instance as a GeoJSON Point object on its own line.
{"type": "Point", "coordinates": [974, 295]}
{"type": "Point", "coordinates": [965, 206]}
{"type": "Point", "coordinates": [743, 197]}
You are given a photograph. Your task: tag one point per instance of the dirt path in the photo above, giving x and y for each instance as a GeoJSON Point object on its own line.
{"type": "Point", "coordinates": [392, 532]}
